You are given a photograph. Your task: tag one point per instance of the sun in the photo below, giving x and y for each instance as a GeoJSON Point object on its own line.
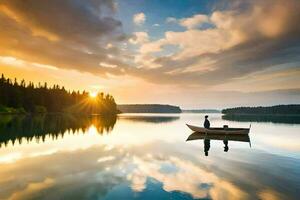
{"type": "Point", "coordinates": [93, 94]}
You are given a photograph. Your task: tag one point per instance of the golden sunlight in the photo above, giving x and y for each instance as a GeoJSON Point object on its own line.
{"type": "Point", "coordinates": [93, 94]}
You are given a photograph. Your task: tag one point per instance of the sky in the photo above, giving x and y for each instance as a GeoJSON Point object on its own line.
{"type": "Point", "coordinates": [191, 53]}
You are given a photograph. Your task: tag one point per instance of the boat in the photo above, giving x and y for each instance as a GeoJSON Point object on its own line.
{"type": "Point", "coordinates": [223, 130]}
{"type": "Point", "coordinates": [203, 136]}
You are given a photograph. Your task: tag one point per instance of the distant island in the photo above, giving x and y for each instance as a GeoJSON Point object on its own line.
{"type": "Point", "coordinates": [293, 109]}
{"type": "Point", "coordinates": [286, 119]}
{"type": "Point", "coordinates": [202, 111]}
{"type": "Point", "coordinates": [21, 98]}
{"type": "Point", "coordinates": [148, 108]}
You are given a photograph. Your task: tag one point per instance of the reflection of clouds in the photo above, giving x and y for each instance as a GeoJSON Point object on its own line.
{"type": "Point", "coordinates": [279, 139]}
{"type": "Point", "coordinates": [190, 178]}
{"type": "Point", "coordinates": [77, 172]}
{"type": "Point", "coordinates": [138, 180]}
{"type": "Point", "coordinates": [31, 189]}
{"type": "Point", "coordinates": [80, 175]}
{"type": "Point", "coordinates": [136, 152]}
{"type": "Point", "coordinates": [127, 134]}
{"type": "Point", "coordinates": [10, 157]}
{"type": "Point", "coordinates": [35, 148]}
{"type": "Point", "coordinates": [107, 158]}
{"type": "Point", "coordinates": [269, 195]}
{"type": "Point", "coordinates": [288, 145]}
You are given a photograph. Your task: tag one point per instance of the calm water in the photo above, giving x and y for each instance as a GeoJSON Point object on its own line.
{"type": "Point", "coordinates": [146, 157]}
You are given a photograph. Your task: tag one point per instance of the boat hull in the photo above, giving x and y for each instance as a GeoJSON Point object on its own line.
{"type": "Point", "coordinates": [228, 131]}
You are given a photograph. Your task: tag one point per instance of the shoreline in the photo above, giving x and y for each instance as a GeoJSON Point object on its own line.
{"type": "Point", "coordinates": [58, 113]}
{"type": "Point", "coordinates": [108, 114]}
{"type": "Point", "coordinates": [243, 114]}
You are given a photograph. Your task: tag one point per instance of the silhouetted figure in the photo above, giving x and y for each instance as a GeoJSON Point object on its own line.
{"type": "Point", "coordinates": [206, 146]}
{"type": "Point", "coordinates": [226, 148]}
{"type": "Point", "coordinates": [206, 122]}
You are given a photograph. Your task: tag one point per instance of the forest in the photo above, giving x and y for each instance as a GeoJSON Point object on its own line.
{"type": "Point", "coordinates": [292, 109]}
{"type": "Point", "coordinates": [21, 97]}
{"type": "Point", "coordinates": [285, 119]}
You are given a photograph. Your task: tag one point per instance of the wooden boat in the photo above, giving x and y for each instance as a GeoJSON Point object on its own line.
{"type": "Point", "coordinates": [224, 130]}
{"type": "Point", "coordinates": [202, 136]}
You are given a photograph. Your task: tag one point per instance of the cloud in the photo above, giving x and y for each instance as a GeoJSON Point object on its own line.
{"type": "Point", "coordinates": [194, 21]}
{"type": "Point", "coordinates": [139, 38]}
{"type": "Point", "coordinates": [243, 38]}
{"type": "Point", "coordinates": [103, 64]}
{"type": "Point", "coordinates": [68, 34]}
{"type": "Point", "coordinates": [229, 49]}
{"type": "Point", "coordinates": [64, 20]}
{"type": "Point", "coordinates": [190, 22]}
{"type": "Point", "coordinates": [139, 18]}
{"type": "Point", "coordinates": [155, 46]}
{"type": "Point", "coordinates": [171, 20]}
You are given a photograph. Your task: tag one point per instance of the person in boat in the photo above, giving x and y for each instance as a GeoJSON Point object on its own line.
{"type": "Point", "coordinates": [206, 122]}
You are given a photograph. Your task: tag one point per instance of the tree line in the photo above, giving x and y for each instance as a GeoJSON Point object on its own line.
{"type": "Point", "coordinates": [284, 119]}
{"type": "Point", "coordinates": [293, 109]}
{"type": "Point", "coordinates": [20, 97]}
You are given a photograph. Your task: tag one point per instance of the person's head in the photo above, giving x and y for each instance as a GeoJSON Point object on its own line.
{"type": "Point", "coordinates": [206, 116]}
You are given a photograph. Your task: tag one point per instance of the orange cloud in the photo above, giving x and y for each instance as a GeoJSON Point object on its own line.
{"type": "Point", "coordinates": [36, 31]}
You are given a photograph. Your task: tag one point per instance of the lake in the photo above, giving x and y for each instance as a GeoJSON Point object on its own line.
{"type": "Point", "coordinates": [146, 156]}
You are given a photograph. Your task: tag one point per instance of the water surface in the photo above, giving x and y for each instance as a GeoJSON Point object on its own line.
{"type": "Point", "coordinates": [145, 156]}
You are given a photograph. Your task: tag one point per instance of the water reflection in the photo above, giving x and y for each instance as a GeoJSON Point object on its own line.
{"type": "Point", "coordinates": [125, 173]}
{"type": "Point", "coordinates": [149, 118]}
{"type": "Point", "coordinates": [146, 160]}
{"type": "Point", "coordinates": [26, 127]}
{"type": "Point", "coordinates": [225, 138]}
{"type": "Point", "coordinates": [206, 146]}
{"type": "Point", "coordinates": [226, 148]}
{"type": "Point", "coordinates": [263, 118]}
